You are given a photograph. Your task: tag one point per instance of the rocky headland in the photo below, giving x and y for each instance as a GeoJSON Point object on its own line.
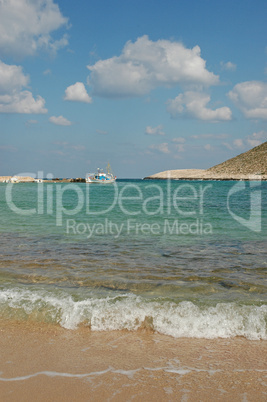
{"type": "Point", "coordinates": [250, 165]}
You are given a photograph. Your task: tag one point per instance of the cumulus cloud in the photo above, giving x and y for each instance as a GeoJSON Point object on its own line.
{"type": "Point", "coordinates": [161, 147]}
{"type": "Point", "coordinates": [228, 66]}
{"type": "Point", "coordinates": [26, 26]}
{"type": "Point", "coordinates": [77, 93]}
{"type": "Point", "coordinates": [12, 78]}
{"type": "Point", "coordinates": [251, 98]}
{"type": "Point", "coordinates": [145, 65]}
{"type": "Point", "coordinates": [60, 121]}
{"type": "Point", "coordinates": [13, 98]}
{"type": "Point", "coordinates": [154, 130]}
{"type": "Point", "coordinates": [194, 104]}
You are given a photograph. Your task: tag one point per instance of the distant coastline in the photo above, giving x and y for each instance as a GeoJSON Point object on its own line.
{"type": "Point", "coordinates": [183, 174]}
{"type": "Point", "coordinates": [200, 174]}
{"type": "Point", "coordinates": [250, 165]}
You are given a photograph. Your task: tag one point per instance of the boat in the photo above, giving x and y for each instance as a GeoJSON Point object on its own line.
{"type": "Point", "coordinates": [100, 177]}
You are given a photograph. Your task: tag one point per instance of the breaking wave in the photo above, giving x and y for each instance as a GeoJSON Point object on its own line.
{"type": "Point", "coordinates": [183, 319]}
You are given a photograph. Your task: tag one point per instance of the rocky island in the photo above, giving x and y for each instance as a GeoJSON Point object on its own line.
{"type": "Point", "coordinates": [250, 165]}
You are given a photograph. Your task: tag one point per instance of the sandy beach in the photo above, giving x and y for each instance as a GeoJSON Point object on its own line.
{"type": "Point", "coordinates": [45, 362]}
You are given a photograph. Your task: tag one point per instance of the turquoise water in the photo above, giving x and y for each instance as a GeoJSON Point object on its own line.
{"type": "Point", "coordinates": [188, 258]}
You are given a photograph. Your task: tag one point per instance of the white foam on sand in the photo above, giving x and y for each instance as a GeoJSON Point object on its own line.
{"type": "Point", "coordinates": [184, 319]}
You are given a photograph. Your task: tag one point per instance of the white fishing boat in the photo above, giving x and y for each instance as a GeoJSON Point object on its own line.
{"type": "Point", "coordinates": [100, 177]}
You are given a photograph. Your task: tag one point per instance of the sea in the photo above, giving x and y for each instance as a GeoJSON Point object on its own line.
{"type": "Point", "coordinates": [180, 258]}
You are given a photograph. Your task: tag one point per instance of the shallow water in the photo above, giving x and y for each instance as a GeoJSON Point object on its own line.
{"type": "Point", "coordinates": [183, 258]}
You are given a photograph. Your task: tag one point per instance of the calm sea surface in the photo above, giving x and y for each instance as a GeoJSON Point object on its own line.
{"type": "Point", "coordinates": [187, 258]}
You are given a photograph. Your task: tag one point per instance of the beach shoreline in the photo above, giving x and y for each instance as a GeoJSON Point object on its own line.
{"type": "Point", "coordinates": [183, 174]}
{"type": "Point", "coordinates": [46, 362]}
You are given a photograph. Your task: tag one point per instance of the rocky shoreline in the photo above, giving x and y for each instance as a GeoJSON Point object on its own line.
{"type": "Point", "coordinates": [28, 179]}
{"type": "Point", "coordinates": [199, 174]}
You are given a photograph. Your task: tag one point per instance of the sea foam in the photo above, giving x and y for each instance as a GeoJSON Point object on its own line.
{"type": "Point", "coordinates": [131, 312]}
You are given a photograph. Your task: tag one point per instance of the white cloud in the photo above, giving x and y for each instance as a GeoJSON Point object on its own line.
{"type": "Point", "coordinates": [67, 150]}
{"type": "Point", "coordinates": [250, 141]}
{"type": "Point", "coordinates": [257, 138]}
{"type": "Point", "coordinates": [161, 147]}
{"type": "Point", "coordinates": [11, 78]}
{"type": "Point", "coordinates": [32, 122]}
{"type": "Point", "coordinates": [67, 145]}
{"type": "Point", "coordinates": [208, 147]}
{"type": "Point", "coordinates": [8, 148]}
{"type": "Point", "coordinates": [228, 66]}
{"type": "Point", "coordinates": [26, 26]}
{"type": "Point", "coordinates": [238, 143]}
{"type": "Point", "coordinates": [145, 65]}
{"type": "Point", "coordinates": [213, 136]}
{"type": "Point", "coordinates": [251, 98]}
{"type": "Point", "coordinates": [22, 102]}
{"type": "Point", "coordinates": [227, 145]}
{"type": "Point", "coordinates": [77, 147]}
{"type": "Point", "coordinates": [180, 147]}
{"type": "Point", "coordinates": [154, 130]}
{"type": "Point", "coordinates": [101, 132]}
{"type": "Point", "coordinates": [13, 99]}
{"type": "Point", "coordinates": [60, 121]}
{"type": "Point", "coordinates": [179, 139]}
{"type": "Point", "coordinates": [253, 143]}
{"type": "Point", "coordinates": [193, 104]}
{"type": "Point", "coordinates": [58, 152]}
{"type": "Point", "coordinates": [61, 143]}
{"type": "Point", "coordinates": [77, 93]}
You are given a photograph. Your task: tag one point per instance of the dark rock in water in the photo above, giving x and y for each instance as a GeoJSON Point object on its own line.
{"type": "Point", "coordinates": [78, 180]}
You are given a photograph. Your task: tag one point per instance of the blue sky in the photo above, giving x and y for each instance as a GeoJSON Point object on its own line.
{"type": "Point", "coordinates": [145, 85]}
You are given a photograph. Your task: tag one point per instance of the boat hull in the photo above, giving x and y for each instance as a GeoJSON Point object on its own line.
{"type": "Point", "coordinates": [100, 181]}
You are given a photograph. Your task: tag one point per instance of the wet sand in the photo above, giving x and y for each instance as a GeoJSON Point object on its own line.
{"type": "Point", "coordinates": [44, 362]}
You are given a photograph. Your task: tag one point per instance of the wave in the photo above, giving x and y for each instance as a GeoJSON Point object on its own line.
{"type": "Point", "coordinates": [131, 312]}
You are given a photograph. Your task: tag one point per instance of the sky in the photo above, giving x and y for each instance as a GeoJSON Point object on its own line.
{"type": "Point", "coordinates": [144, 85]}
